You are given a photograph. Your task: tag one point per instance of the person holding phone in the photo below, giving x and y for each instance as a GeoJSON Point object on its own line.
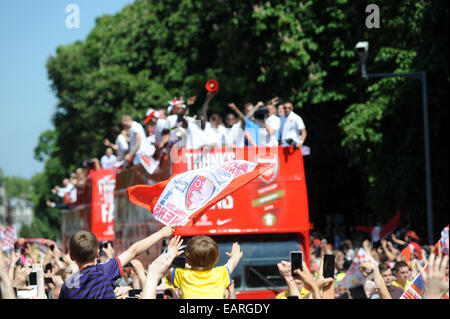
{"type": "Point", "coordinates": [296, 287]}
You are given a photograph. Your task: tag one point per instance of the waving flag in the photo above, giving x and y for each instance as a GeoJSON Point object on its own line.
{"type": "Point", "coordinates": [415, 290]}
{"type": "Point", "coordinates": [378, 232]}
{"type": "Point", "coordinates": [353, 276]}
{"type": "Point", "coordinates": [183, 198]}
{"type": "Point", "coordinates": [149, 163]}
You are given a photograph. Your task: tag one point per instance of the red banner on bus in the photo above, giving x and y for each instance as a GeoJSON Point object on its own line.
{"type": "Point", "coordinates": [102, 210]}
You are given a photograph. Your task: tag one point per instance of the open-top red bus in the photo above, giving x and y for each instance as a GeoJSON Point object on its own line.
{"type": "Point", "coordinates": [268, 217]}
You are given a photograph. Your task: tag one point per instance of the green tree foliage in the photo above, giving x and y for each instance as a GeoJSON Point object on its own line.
{"type": "Point", "coordinates": [17, 186]}
{"type": "Point", "coordinates": [366, 140]}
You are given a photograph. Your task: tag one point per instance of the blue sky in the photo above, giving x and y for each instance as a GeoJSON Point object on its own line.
{"type": "Point", "coordinates": [30, 32]}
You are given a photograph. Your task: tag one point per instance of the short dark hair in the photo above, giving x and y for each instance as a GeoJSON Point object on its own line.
{"type": "Point", "coordinates": [383, 267]}
{"type": "Point", "coordinates": [215, 118]}
{"type": "Point", "coordinates": [400, 264]}
{"type": "Point", "coordinates": [202, 252]}
{"type": "Point", "coordinates": [83, 246]}
{"type": "Point", "coordinates": [115, 130]}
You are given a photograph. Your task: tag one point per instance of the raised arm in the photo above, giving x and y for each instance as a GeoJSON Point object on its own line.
{"type": "Point", "coordinates": [235, 256]}
{"type": "Point", "coordinates": [6, 288]}
{"type": "Point", "coordinates": [237, 111]}
{"type": "Point", "coordinates": [371, 272]}
{"type": "Point", "coordinates": [386, 250]}
{"type": "Point", "coordinates": [257, 106]}
{"type": "Point", "coordinates": [205, 105]}
{"type": "Point", "coordinates": [159, 267]}
{"type": "Point", "coordinates": [309, 281]}
{"type": "Point", "coordinates": [143, 245]}
{"type": "Point", "coordinates": [284, 268]}
{"type": "Point", "coordinates": [327, 284]}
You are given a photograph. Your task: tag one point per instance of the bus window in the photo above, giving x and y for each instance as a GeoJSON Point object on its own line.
{"type": "Point", "coordinates": [258, 266]}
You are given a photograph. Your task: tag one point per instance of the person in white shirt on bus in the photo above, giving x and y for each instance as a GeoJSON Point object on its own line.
{"type": "Point", "coordinates": [68, 192]}
{"type": "Point", "coordinates": [121, 143]}
{"type": "Point", "coordinates": [215, 132]}
{"type": "Point", "coordinates": [177, 122]}
{"type": "Point", "coordinates": [272, 125]}
{"type": "Point", "coordinates": [138, 140]}
{"type": "Point", "coordinates": [195, 137]}
{"type": "Point", "coordinates": [109, 159]}
{"type": "Point", "coordinates": [234, 131]}
{"type": "Point", "coordinates": [294, 130]}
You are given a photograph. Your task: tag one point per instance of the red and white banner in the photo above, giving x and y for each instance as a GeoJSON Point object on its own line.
{"type": "Point", "coordinates": [102, 210]}
{"type": "Point", "coordinates": [378, 232]}
{"type": "Point", "coordinates": [182, 199]}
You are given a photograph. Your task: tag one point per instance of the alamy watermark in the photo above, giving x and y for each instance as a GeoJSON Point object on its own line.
{"type": "Point", "coordinates": [73, 19]}
{"type": "Point", "coordinates": [373, 19]}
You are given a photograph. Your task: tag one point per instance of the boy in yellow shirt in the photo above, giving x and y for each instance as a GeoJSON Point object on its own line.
{"type": "Point", "coordinates": [202, 280]}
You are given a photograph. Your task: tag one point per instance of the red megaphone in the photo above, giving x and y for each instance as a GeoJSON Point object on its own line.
{"type": "Point", "coordinates": [212, 86]}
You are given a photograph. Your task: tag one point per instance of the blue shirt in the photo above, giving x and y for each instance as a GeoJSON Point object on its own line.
{"type": "Point", "coordinates": [251, 127]}
{"type": "Point", "coordinates": [93, 282]}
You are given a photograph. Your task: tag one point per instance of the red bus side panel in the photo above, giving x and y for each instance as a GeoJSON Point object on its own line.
{"type": "Point", "coordinates": [102, 210]}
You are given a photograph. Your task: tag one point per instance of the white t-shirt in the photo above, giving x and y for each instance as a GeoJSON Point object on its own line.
{"type": "Point", "coordinates": [177, 132]}
{"type": "Point", "coordinates": [195, 137]}
{"type": "Point", "coordinates": [215, 136]}
{"type": "Point", "coordinates": [235, 135]}
{"type": "Point", "coordinates": [122, 145]}
{"type": "Point", "coordinates": [138, 129]}
{"type": "Point", "coordinates": [291, 129]}
{"type": "Point", "coordinates": [71, 190]}
{"type": "Point", "coordinates": [151, 141]}
{"type": "Point", "coordinates": [107, 162]}
{"type": "Point", "coordinates": [274, 123]}
{"type": "Point", "coordinates": [161, 124]}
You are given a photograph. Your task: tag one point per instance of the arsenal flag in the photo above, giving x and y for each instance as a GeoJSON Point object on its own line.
{"type": "Point", "coordinates": [183, 198]}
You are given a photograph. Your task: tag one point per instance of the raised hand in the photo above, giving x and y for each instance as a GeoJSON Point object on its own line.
{"type": "Point", "coordinates": [321, 281]}
{"type": "Point", "coordinates": [191, 100]}
{"type": "Point", "coordinates": [167, 231]}
{"type": "Point", "coordinates": [309, 281]}
{"type": "Point", "coordinates": [434, 281]}
{"type": "Point", "coordinates": [174, 246]}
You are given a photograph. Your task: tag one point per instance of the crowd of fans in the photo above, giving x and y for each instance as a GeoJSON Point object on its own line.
{"type": "Point", "coordinates": [91, 270]}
